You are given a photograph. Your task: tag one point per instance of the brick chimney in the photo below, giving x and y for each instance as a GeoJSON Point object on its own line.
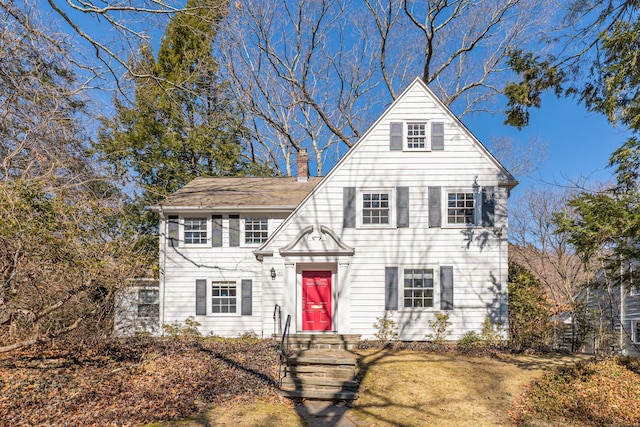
{"type": "Point", "coordinates": [303, 165]}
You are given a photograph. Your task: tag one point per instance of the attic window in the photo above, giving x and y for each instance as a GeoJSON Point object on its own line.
{"type": "Point", "coordinates": [416, 135]}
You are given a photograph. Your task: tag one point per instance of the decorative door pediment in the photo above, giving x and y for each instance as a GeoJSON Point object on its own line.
{"type": "Point", "coordinates": [319, 242]}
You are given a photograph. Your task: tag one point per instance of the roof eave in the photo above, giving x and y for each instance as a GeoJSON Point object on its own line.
{"type": "Point", "coordinates": [234, 208]}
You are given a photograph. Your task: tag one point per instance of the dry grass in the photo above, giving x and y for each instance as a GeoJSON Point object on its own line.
{"type": "Point", "coordinates": [444, 389]}
{"type": "Point", "coordinates": [242, 414]}
{"type": "Point", "coordinates": [233, 383]}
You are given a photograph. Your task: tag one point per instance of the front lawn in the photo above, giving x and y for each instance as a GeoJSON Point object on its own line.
{"type": "Point", "coordinates": [194, 383]}
{"type": "Point", "coordinates": [412, 388]}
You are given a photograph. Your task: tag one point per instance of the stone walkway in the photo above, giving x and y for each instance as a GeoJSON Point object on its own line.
{"type": "Point", "coordinates": [323, 414]}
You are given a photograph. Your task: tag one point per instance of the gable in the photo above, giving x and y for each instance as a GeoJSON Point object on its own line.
{"type": "Point", "coordinates": [451, 157]}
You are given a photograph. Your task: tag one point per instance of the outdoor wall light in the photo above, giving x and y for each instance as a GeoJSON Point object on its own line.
{"type": "Point", "coordinates": [273, 273]}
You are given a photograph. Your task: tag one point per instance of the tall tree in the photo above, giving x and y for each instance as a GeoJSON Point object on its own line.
{"type": "Point", "coordinates": [595, 59]}
{"type": "Point", "coordinates": [62, 254]}
{"type": "Point", "coordinates": [182, 123]}
{"type": "Point", "coordinates": [313, 73]}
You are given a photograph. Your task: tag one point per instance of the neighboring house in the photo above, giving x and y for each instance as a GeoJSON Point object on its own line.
{"type": "Point", "coordinates": [410, 222]}
{"type": "Point", "coordinates": [608, 321]}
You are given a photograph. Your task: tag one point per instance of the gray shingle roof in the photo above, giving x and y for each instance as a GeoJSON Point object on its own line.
{"type": "Point", "coordinates": [221, 192]}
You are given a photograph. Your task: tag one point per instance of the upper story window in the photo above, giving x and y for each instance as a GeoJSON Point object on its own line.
{"type": "Point", "coordinates": [416, 135]}
{"type": "Point", "coordinates": [376, 209]}
{"type": "Point", "coordinates": [195, 231]}
{"type": "Point", "coordinates": [460, 208]}
{"type": "Point", "coordinates": [256, 230]}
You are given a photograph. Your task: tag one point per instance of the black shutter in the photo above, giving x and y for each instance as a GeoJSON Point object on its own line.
{"type": "Point", "coordinates": [395, 138]}
{"type": "Point", "coordinates": [402, 196]}
{"type": "Point", "coordinates": [216, 232]}
{"type": "Point", "coordinates": [201, 297]}
{"type": "Point", "coordinates": [234, 230]}
{"type": "Point", "coordinates": [391, 288]}
{"type": "Point", "coordinates": [173, 230]}
{"type": "Point", "coordinates": [435, 212]}
{"type": "Point", "coordinates": [247, 294]}
{"type": "Point", "coordinates": [446, 288]}
{"type": "Point", "coordinates": [349, 207]}
{"type": "Point", "coordinates": [437, 136]}
{"type": "Point", "coordinates": [488, 206]}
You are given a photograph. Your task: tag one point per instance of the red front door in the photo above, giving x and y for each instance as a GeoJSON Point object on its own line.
{"type": "Point", "coordinates": [316, 300]}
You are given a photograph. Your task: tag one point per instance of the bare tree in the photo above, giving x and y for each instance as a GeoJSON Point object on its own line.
{"type": "Point", "coordinates": [519, 157]}
{"type": "Point", "coordinates": [314, 72]}
{"type": "Point", "coordinates": [62, 254]}
{"type": "Point", "coordinates": [542, 250]}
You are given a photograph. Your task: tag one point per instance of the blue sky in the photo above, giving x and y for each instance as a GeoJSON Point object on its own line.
{"type": "Point", "coordinates": [579, 143]}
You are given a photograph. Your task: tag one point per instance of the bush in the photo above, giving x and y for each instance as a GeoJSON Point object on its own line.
{"type": "Point", "coordinates": [440, 327]}
{"type": "Point", "coordinates": [386, 329]}
{"type": "Point", "coordinates": [470, 339]}
{"type": "Point", "coordinates": [529, 314]}
{"type": "Point", "coordinates": [593, 393]}
{"type": "Point", "coordinates": [188, 330]}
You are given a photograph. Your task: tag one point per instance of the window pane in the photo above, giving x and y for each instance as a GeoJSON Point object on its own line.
{"type": "Point", "coordinates": [375, 208]}
{"type": "Point", "coordinates": [195, 231]}
{"type": "Point", "coordinates": [418, 288]}
{"type": "Point", "coordinates": [460, 208]}
{"type": "Point", "coordinates": [416, 135]}
{"type": "Point", "coordinates": [148, 296]}
{"type": "Point", "coordinates": [223, 297]}
{"type": "Point", "coordinates": [255, 230]}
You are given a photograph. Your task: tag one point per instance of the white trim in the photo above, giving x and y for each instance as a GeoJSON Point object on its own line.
{"type": "Point", "coordinates": [316, 266]}
{"type": "Point", "coordinates": [181, 232]}
{"type": "Point", "coordinates": [391, 191]}
{"type": "Point", "coordinates": [477, 207]}
{"type": "Point", "coordinates": [436, 287]}
{"type": "Point", "coordinates": [427, 135]}
{"type": "Point", "coordinates": [243, 230]}
{"type": "Point", "coordinates": [238, 297]}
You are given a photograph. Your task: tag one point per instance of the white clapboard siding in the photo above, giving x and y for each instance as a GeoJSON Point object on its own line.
{"type": "Point", "coordinates": [478, 257]}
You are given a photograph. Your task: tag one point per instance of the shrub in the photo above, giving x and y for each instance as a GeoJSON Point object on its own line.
{"type": "Point", "coordinates": [470, 339]}
{"type": "Point", "coordinates": [529, 314]}
{"type": "Point", "coordinates": [188, 330]}
{"type": "Point", "coordinates": [386, 329]}
{"type": "Point", "coordinates": [440, 328]}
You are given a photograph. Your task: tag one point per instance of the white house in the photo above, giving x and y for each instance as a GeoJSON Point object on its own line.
{"type": "Point", "coordinates": [411, 222]}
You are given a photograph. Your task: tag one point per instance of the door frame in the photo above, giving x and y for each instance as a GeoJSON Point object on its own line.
{"type": "Point", "coordinates": [325, 266]}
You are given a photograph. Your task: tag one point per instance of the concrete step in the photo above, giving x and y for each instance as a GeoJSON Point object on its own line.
{"type": "Point", "coordinates": [319, 394]}
{"type": "Point", "coordinates": [320, 360]}
{"type": "Point", "coordinates": [318, 383]}
{"type": "Point", "coordinates": [320, 371]}
{"type": "Point", "coordinates": [321, 341]}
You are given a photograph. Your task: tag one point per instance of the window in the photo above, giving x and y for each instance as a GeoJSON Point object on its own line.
{"type": "Point", "coordinates": [255, 230]}
{"type": "Point", "coordinates": [416, 135]}
{"type": "Point", "coordinates": [148, 303]}
{"type": "Point", "coordinates": [195, 231]}
{"type": "Point", "coordinates": [376, 209]}
{"type": "Point", "coordinates": [223, 297]}
{"type": "Point", "coordinates": [418, 288]}
{"type": "Point", "coordinates": [635, 331]}
{"type": "Point", "coordinates": [460, 208]}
